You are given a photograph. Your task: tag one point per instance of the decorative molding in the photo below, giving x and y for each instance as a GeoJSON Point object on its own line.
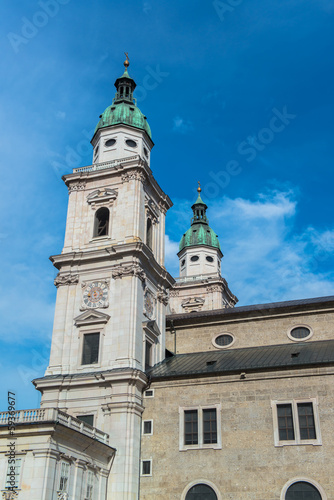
{"type": "Point", "coordinates": [102, 197]}
{"type": "Point", "coordinates": [152, 211]}
{"type": "Point", "coordinates": [193, 304]}
{"type": "Point", "coordinates": [76, 186]}
{"type": "Point", "coordinates": [91, 317]}
{"type": "Point", "coordinates": [163, 207]}
{"type": "Point", "coordinates": [62, 495]}
{"type": "Point", "coordinates": [120, 272]}
{"type": "Point", "coordinates": [163, 297]}
{"type": "Point", "coordinates": [66, 279]}
{"type": "Point", "coordinates": [214, 288]}
{"type": "Point", "coordinates": [174, 293]}
{"type": "Point", "coordinates": [133, 175]}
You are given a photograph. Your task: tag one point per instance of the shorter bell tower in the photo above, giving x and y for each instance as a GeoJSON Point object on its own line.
{"type": "Point", "coordinates": [200, 285]}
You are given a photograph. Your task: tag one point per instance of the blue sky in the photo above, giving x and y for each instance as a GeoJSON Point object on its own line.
{"type": "Point", "coordinates": [239, 95]}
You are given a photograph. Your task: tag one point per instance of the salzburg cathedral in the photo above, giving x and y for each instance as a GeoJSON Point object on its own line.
{"type": "Point", "coordinates": [161, 387]}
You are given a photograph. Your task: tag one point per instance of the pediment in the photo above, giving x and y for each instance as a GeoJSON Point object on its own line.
{"type": "Point", "coordinates": [151, 328]}
{"type": "Point", "coordinates": [102, 196]}
{"type": "Point", "coordinates": [91, 317]}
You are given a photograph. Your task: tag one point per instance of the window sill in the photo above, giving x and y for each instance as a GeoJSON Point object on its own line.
{"type": "Point", "coordinates": [312, 442]}
{"type": "Point", "coordinates": [213, 446]}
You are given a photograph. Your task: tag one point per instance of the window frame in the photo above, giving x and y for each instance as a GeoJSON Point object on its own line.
{"type": "Point", "coordinates": [68, 463]}
{"type": "Point", "coordinates": [143, 427]}
{"type": "Point", "coordinates": [95, 223]}
{"type": "Point", "coordinates": [200, 445]}
{"type": "Point", "coordinates": [90, 484]}
{"type": "Point", "coordinates": [302, 479]}
{"type": "Point", "coordinates": [217, 346]}
{"type": "Point", "coordinates": [81, 335]}
{"type": "Point", "coordinates": [142, 466]}
{"type": "Point", "coordinates": [95, 363]}
{"type": "Point", "coordinates": [294, 339]}
{"type": "Point", "coordinates": [296, 425]}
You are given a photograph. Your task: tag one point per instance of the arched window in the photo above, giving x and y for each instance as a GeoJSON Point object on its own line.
{"type": "Point", "coordinates": [149, 235]}
{"type": "Point", "coordinates": [201, 492]}
{"type": "Point", "coordinates": [101, 225]}
{"type": "Point", "coordinates": [302, 491]}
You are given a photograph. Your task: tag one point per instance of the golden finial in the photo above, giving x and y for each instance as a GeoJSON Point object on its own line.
{"type": "Point", "coordinates": [199, 189]}
{"type": "Point", "coordinates": [126, 62]}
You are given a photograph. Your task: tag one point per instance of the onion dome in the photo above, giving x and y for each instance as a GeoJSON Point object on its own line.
{"type": "Point", "coordinates": [199, 233]}
{"type": "Point", "coordinates": [124, 108]}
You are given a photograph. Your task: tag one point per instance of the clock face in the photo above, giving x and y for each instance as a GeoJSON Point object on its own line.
{"type": "Point", "coordinates": [96, 294]}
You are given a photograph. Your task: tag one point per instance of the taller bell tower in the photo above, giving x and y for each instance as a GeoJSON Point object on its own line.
{"type": "Point", "coordinates": [111, 287]}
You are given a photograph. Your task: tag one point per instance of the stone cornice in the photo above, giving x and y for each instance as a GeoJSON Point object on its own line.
{"type": "Point", "coordinates": [129, 169]}
{"type": "Point", "coordinates": [138, 255]}
{"type": "Point", "coordinates": [129, 375]}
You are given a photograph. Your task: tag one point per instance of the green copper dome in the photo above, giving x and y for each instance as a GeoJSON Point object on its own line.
{"type": "Point", "coordinates": [124, 108]}
{"type": "Point", "coordinates": [125, 113]}
{"type": "Point", "coordinates": [199, 233]}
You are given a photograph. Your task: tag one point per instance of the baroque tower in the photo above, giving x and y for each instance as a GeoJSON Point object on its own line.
{"type": "Point", "coordinates": [111, 287]}
{"type": "Point", "coordinates": [200, 285]}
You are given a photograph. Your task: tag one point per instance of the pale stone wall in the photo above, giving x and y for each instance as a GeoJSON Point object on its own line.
{"type": "Point", "coordinates": [42, 449]}
{"type": "Point", "coordinates": [249, 466]}
{"type": "Point", "coordinates": [262, 330]}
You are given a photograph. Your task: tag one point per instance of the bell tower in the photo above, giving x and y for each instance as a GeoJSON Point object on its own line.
{"type": "Point", "coordinates": [200, 285]}
{"type": "Point", "coordinates": [112, 286]}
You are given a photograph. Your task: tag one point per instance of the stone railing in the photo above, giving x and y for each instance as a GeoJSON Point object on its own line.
{"type": "Point", "coordinates": [199, 277]}
{"type": "Point", "coordinates": [107, 164]}
{"type": "Point", "coordinates": [54, 415]}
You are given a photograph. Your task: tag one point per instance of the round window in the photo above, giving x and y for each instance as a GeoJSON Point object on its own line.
{"type": "Point", "coordinates": [209, 258]}
{"type": "Point", "coordinates": [194, 258]}
{"type": "Point", "coordinates": [300, 332]}
{"type": "Point", "coordinates": [223, 340]}
{"type": "Point", "coordinates": [131, 143]}
{"type": "Point", "coordinates": [110, 142]}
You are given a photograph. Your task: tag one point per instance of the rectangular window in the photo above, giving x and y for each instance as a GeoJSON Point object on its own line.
{"type": "Point", "coordinates": [190, 427]}
{"type": "Point", "coordinates": [148, 354]}
{"type": "Point", "coordinates": [285, 422]}
{"type": "Point", "coordinates": [149, 393]}
{"type": "Point", "coordinates": [87, 419]}
{"type": "Point", "coordinates": [296, 422]}
{"type": "Point", "coordinates": [90, 350]}
{"type": "Point", "coordinates": [13, 473]}
{"type": "Point", "coordinates": [200, 427]}
{"type": "Point", "coordinates": [148, 427]}
{"type": "Point", "coordinates": [90, 485]}
{"type": "Point", "coordinates": [64, 475]}
{"type": "Point", "coordinates": [209, 426]}
{"type": "Point", "coordinates": [146, 467]}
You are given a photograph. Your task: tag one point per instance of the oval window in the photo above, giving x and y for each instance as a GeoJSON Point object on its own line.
{"type": "Point", "coordinates": [209, 258]}
{"type": "Point", "coordinates": [223, 340]}
{"type": "Point", "coordinates": [300, 332]}
{"type": "Point", "coordinates": [146, 152]}
{"type": "Point", "coordinates": [131, 143]}
{"type": "Point", "coordinates": [183, 262]}
{"type": "Point", "coordinates": [194, 258]}
{"type": "Point", "coordinates": [110, 142]}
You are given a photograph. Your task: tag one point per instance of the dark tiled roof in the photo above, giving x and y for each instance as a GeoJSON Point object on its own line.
{"type": "Point", "coordinates": [250, 358]}
{"type": "Point", "coordinates": [260, 308]}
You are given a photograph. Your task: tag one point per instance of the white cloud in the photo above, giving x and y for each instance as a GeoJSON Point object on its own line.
{"type": "Point", "coordinates": [266, 258]}
{"type": "Point", "coordinates": [61, 115]}
{"type": "Point", "coordinates": [182, 126]}
{"type": "Point", "coordinates": [171, 260]}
